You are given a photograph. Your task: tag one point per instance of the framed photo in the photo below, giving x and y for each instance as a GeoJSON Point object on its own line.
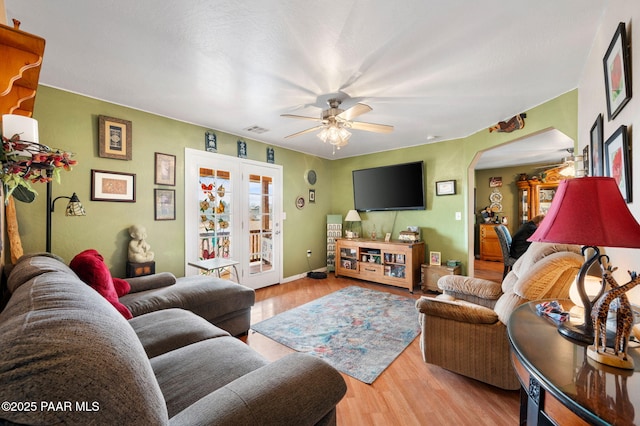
{"type": "Point", "coordinates": [616, 161]}
{"type": "Point", "coordinates": [114, 137]}
{"type": "Point", "coordinates": [434, 258]}
{"type": "Point", "coordinates": [165, 169]}
{"type": "Point", "coordinates": [113, 186]}
{"type": "Point", "coordinates": [585, 160]}
{"type": "Point", "coordinates": [210, 142]}
{"type": "Point", "coordinates": [495, 182]}
{"type": "Point", "coordinates": [312, 195]}
{"type": "Point", "coordinates": [242, 149]}
{"type": "Point", "coordinates": [446, 187]}
{"type": "Point", "coordinates": [597, 163]}
{"type": "Point", "coordinates": [617, 78]}
{"type": "Point", "coordinates": [271, 155]}
{"type": "Point", "coordinates": [165, 204]}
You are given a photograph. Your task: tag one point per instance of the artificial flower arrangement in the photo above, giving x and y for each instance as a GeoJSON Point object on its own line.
{"type": "Point", "coordinates": [24, 163]}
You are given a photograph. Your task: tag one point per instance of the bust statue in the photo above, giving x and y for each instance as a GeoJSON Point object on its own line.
{"type": "Point", "coordinates": [139, 249]}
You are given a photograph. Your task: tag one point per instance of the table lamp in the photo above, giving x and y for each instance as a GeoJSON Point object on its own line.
{"type": "Point", "coordinates": [591, 212]}
{"type": "Point", "coordinates": [352, 216]}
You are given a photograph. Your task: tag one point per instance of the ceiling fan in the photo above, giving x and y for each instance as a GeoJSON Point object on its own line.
{"type": "Point", "coordinates": [573, 165]}
{"type": "Point", "coordinates": [335, 122]}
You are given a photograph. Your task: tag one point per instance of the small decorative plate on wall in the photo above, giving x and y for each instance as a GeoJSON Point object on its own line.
{"type": "Point", "coordinates": [300, 202]}
{"type": "Point", "coordinates": [311, 177]}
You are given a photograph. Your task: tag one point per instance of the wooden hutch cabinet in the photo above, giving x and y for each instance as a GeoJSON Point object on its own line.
{"type": "Point", "coordinates": [535, 195]}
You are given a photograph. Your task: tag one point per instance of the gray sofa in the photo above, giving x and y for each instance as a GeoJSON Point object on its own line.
{"type": "Point", "coordinates": [223, 303]}
{"type": "Point", "coordinates": [68, 356]}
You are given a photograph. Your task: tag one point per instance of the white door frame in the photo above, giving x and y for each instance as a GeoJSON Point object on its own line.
{"type": "Point", "coordinates": [193, 158]}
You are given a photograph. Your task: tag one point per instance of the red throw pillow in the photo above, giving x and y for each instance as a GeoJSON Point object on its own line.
{"type": "Point", "coordinates": [122, 286]}
{"type": "Point", "coordinates": [90, 267]}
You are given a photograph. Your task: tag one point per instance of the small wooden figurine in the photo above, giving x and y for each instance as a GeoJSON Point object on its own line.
{"type": "Point", "coordinates": [514, 123]}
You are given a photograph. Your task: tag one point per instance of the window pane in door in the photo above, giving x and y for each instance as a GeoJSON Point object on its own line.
{"type": "Point", "coordinates": [216, 217]}
{"type": "Point", "coordinates": [260, 223]}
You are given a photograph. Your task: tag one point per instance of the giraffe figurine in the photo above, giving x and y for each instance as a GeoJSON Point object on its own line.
{"type": "Point", "coordinates": [624, 322]}
{"type": "Point", "coordinates": [624, 314]}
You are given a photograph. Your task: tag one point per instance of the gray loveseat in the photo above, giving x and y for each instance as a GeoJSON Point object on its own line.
{"type": "Point", "coordinates": [68, 356]}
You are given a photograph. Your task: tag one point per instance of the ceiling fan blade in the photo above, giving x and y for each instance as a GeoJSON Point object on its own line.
{"type": "Point", "coordinates": [304, 131]}
{"type": "Point", "coordinates": [353, 112]}
{"type": "Point", "coordinates": [372, 127]}
{"type": "Point", "coordinates": [301, 117]}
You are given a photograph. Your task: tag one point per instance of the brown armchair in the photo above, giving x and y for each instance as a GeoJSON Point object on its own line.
{"type": "Point", "coordinates": [464, 329]}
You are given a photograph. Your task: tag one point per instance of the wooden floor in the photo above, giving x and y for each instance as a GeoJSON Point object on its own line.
{"type": "Point", "coordinates": [409, 392]}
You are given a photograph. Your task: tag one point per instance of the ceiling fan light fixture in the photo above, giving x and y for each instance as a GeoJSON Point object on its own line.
{"type": "Point", "coordinates": [324, 134]}
{"type": "Point", "coordinates": [344, 134]}
{"type": "Point", "coordinates": [335, 135]}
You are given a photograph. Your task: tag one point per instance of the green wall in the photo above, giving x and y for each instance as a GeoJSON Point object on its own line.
{"type": "Point", "coordinates": [444, 161]}
{"type": "Point", "coordinates": [70, 122]}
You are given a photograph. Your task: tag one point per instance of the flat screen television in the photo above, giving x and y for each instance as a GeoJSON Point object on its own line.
{"type": "Point", "coordinates": [395, 187]}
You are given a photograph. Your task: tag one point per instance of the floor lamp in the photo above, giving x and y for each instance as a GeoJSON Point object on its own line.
{"type": "Point", "coordinates": [74, 208]}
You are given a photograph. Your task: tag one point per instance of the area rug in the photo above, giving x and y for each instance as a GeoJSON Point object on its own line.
{"type": "Point", "coordinates": [356, 330]}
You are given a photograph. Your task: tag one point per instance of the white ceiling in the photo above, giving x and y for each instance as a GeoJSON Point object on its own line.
{"type": "Point", "coordinates": [546, 147]}
{"type": "Point", "coordinates": [444, 68]}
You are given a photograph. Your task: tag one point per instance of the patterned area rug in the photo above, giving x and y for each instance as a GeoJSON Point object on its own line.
{"type": "Point", "coordinates": [358, 331]}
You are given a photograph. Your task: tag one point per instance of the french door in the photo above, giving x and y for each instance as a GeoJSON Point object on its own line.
{"type": "Point", "coordinates": [232, 211]}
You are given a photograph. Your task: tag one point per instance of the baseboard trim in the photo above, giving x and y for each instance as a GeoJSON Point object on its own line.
{"type": "Point", "coordinates": [299, 276]}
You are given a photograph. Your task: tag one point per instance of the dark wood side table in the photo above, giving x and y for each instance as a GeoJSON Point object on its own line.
{"type": "Point", "coordinates": [560, 384]}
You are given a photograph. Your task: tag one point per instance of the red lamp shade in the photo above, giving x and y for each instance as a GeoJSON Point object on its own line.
{"type": "Point", "coordinates": [589, 211]}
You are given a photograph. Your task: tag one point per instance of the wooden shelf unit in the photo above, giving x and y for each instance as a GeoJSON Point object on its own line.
{"type": "Point", "coordinates": [20, 74]}
{"type": "Point", "coordinates": [395, 263]}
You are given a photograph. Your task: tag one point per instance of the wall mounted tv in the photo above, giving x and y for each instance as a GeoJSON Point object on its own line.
{"type": "Point", "coordinates": [395, 187]}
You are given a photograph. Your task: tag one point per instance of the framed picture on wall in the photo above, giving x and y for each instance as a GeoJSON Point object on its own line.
{"type": "Point", "coordinates": [210, 142]}
{"type": "Point", "coordinates": [114, 136]}
{"type": "Point", "coordinates": [165, 169]}
{"type": "Point", "coordinates": [616, 161]}
{"type": "Point", "coordinates": [617, 78]}
{"type": "Point", "coordinates": [446, 187]}
{"type": "Point", "coordinates": [113, 186]}
{"type": "Point", "coordinates": [165, 204]}
{"type": "Point", "coordinates": [597, 164]}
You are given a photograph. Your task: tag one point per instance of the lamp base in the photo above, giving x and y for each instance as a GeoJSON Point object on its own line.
{"type": "Point", "coordinates": [576, 332]}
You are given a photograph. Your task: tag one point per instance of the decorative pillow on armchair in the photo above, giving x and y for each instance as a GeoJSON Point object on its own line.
{"type": "Point", "coordinates": [90, 268]}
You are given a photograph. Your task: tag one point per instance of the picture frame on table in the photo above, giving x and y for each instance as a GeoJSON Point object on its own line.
{"type": "Point", "coordinates": [113, 186]}
{"type": "Point", "coordinates": [434, 258]}
{"type": "Point", "coordinates": [165, 169]}
{"type": "Point", "coordinates": [585, 160]}
{"type": "Point", "coordinates": [446, 187]}
{"type": "Point", "coordinates": [165, 204]}
{"type": "Point", "coordinates": [616, 161]}
{"type": "Point", "coordinates": [617, 78]}
{"type": "Point", "coordinates": [597, 140]}
{"type": "Point", "coordinates": [114, 138]}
